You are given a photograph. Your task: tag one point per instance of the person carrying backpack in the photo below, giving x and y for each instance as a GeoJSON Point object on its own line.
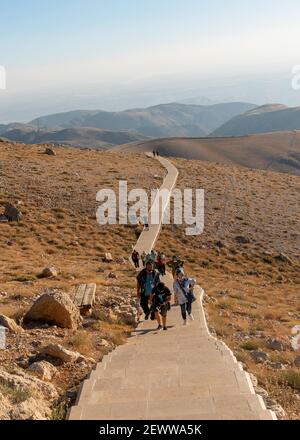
{"type": "Point", "coordinates": [160, 264]}
{"type": "Point", "coordinates": [136, 259]}
{"type": "Point", "coordinates": [147, 280]}
{"type": "Point", "coordinates": [160, 304]}
{"type": "Point", "coordinates": [175, 264]}
{"type": "Point", "coordinates": [143, 258]}
{"type": "Point", "coordinates": [183, 289]}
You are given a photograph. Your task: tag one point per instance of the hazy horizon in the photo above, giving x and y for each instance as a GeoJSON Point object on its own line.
{"type": "Point", "coordinates": [118, 55]}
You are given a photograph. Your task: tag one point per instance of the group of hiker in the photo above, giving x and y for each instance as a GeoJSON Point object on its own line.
{"type": "Point", "coordinates": [158, 258]}
{"type": "Point", "coordinates": [155, 297]}
{"type": "Point", "coordinates": [155, 153]}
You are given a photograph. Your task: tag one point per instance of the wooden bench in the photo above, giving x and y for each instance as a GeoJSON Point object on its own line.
{"type": "Point", "coordinates": [84, 297]}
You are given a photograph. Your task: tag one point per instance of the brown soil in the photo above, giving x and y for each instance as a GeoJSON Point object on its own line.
{"type": "Point", "coordinates": [253, 294]}
{"type": "Point", "coordinates": [59, 227]}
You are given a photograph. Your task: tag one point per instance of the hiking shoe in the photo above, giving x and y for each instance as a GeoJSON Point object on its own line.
{"type": "Point", "coordinates": [165, 328]}
{"type": "Point", "coordinates": [159, 327]}
{"type": "Point", "coordinates": [147, 316]}
{"type": "Point", "coordinates": [191, 317]}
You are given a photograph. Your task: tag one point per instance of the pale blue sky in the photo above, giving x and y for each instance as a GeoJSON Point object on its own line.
{"type": "Point", "coordinates": [40, 31]}
{"type": "Point", "coordinates": [52, 44]}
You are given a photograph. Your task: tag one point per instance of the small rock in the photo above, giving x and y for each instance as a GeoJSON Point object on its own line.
{"type": "Point", "coordinates": [253, 380]}
{"type": "Point", "coordinates": [283, 258]}
{"type": "Point", "coordinates": [49, 272]}
{"type": "Point", "coordinates": [10, 324]}
{"type": "Point", "coordinates": [220, 244]}
{"type": "Point", "coordinates": [275, 344]}
{"type": "Point", "coordinates": [50, 152]}
{"type": "Point", "coordinates": [43, 370]}
{"type": "Point", "coordinates": [85, 360]}
{"type": "Point", "coordinates": [259, 356]}
{"type": "Point", "coordinates": [242, 240]}
{"type": "Point", "coordinates": [278, 410]}
{"type": "Point", "coordinates": [262, 392]}
{"type": "Point", "coordinates": [112, 275]}
{"type": "Point", "coordinates": [3, 294]}
{"type": "Point", "coordinates": [104, 343]}
{"type": "Point", "coordinates": [277, 365]}
{"type": "Point", "coordinates": [59, 352]}
{"type": "Point", "coordinates": [108, 258]}
{"type": "Point", "coordinates": [297, 361]}
{"type": "Point", "coordinates": [121, 260]}
{"type": "Point", "coordinates": [223, 293]}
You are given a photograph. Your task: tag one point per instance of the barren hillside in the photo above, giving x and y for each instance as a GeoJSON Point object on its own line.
{"type": "Point", "coordinates": [248, 262]}
{"type": "Point", "coordinates": [270, 151]}
{"type": "Point", "coordinates": [57, 197]}
{"type": "Point", "coordinates": [264, 119]}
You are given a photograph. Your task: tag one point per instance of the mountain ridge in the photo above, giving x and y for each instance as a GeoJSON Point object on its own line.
{"type": "Point", "coordinates": [265, 119]}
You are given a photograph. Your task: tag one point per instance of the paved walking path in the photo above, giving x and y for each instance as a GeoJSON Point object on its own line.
{"type": "Point", "coordinates": [180, 374]}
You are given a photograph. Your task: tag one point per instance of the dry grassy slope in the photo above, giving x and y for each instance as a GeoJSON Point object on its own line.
{"type": "Point", "coordinates": [273, 151]}
{"type": "Point", "coordinates": [58, 196]}
{"type": "Point", "coordinates": [58, 200]}
{"type": "Point", "coordinates": [78, 137]}
{"type": "Point", "coordinates": [260, 296]}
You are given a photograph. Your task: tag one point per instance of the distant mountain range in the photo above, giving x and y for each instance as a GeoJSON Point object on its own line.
{"type": "Point", "coordinates": [166, 120]}
{"type": "Point", "coordinates": [265, 119]}
{"type": "Point", "coordinates": [101, 129]}
{"type": "Point", "coordinates": [158, 121]}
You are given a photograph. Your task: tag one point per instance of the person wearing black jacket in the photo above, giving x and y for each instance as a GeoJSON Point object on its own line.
{"type": "Point", "coordinates": [160, 304]}
{"type": "Point", "coordinates": [147, 280]}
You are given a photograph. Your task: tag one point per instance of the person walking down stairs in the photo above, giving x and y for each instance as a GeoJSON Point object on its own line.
{"type": "Point", "coordinates": [183, 290]}
{"type": "Point", "coordinates": [147, 280]}
{"type": "Point", "coordinates": [175, 264]}
{"type": "Point", "coordinates": [160, 304]}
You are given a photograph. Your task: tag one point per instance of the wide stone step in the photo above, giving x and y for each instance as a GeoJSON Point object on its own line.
{"type": "Point", "coordinates": [177, 409]}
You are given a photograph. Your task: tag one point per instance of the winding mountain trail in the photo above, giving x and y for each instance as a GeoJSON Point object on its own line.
{"type": "Point", "coordinates": [180, 374]}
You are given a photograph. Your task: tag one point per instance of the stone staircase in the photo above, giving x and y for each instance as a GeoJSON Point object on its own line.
{"type": "Point", "coordinates": [183, 373]}
{"type": "Point", "coordinates": [180, 374]}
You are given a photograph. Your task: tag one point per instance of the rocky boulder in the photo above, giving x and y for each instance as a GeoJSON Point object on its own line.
{"type": "Point", "coordinates": [43, 370]}
{"type": "Point", "coordinates": [55, 307]}
{"type": "Point", "coordinates": [60, 352]}
{"type": "Point", "coordinates": [12, 213]}
{"type": "Point", "coordinates": [128, 314]}
{"type": "Point", "coordinates": [10, 324]}
{"type": "Point", "coordinates": [34, 386]}
{"type": "Point", "coordinates": [259, 357]}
